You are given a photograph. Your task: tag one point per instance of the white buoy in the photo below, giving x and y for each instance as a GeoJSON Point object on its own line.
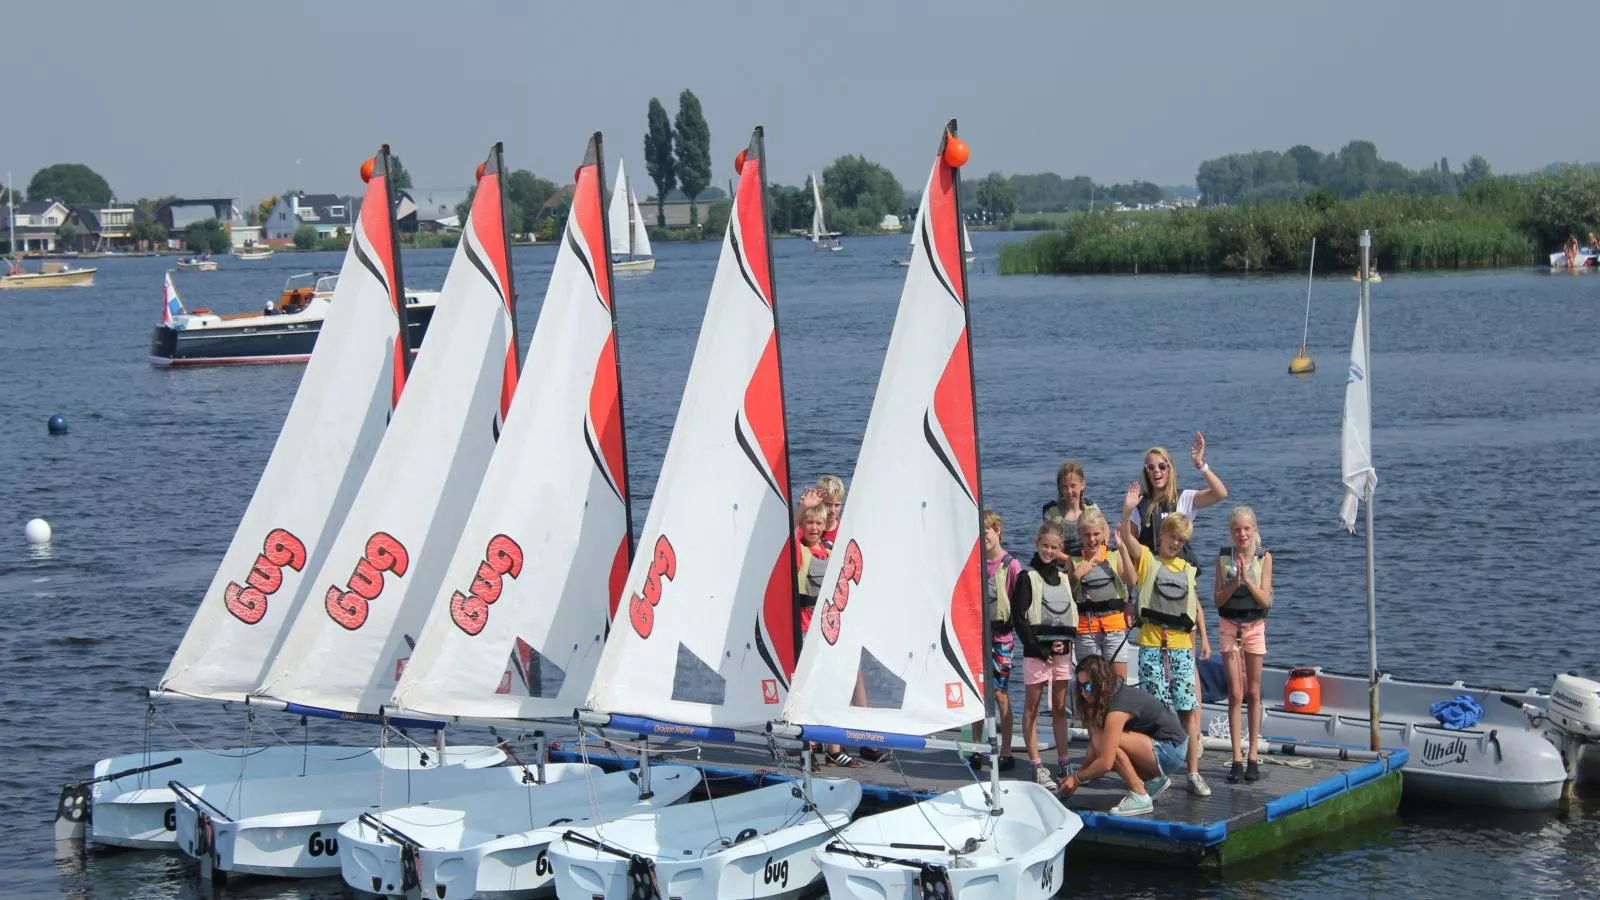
{"type": "Point", "coordinates": [37, 531]}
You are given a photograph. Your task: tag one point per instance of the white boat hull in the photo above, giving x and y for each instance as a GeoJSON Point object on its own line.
{"type": "Point", "coordinates": [37, 280]}
{"type": "Point", "coordinates": [623, 266]}
{"type": "Point", "coordinates": [1504, 761]}
{"type": "Point", "coordinates": [686, 844]}
{"type": "Point", "coordinates": [137, 811]}
{"type": "Point", "coordinates": [1022, 857]}
{"type": "Point", "coordinates": [288, 827]}
{"type": "Point", "coordinates": [482, 843]}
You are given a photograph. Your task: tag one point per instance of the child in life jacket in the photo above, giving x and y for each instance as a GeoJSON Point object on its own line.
{"type": "Point", "coordinates": [1102, 596]}
{"type": "Point", "coordinates": [1000, 571]}
{"type": "Point", "coordinates": [1046, 621]}
{"type": "Point", "coordinates": [1243, 598]}
{"type": "Point", "coordinates": [1170, 615]}
{"type": "Point", "coordinates": [811, 565]}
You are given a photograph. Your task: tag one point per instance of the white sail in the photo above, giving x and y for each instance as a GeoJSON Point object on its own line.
{"type": "Point", "coordinates": [368, 598]}
{"type": "Point", "coordinates": [704, 630]}
{"type": "Point", "coordinates": [327, 442]}
{"type": "Point", "coordinates": [819, 225]}
{"type": "Point", "coordinates": [516, 630]}
{"type": "Point", "coordinates": [641, 235]}
{"type": "Point", "coordinates": [617, 215]}
{"type": "Point", "coordinates": [900, 611]}
{"type": "Point", "coordinates": [1355, 441]}
{"type": "Point", "coordinates": [966, 239]}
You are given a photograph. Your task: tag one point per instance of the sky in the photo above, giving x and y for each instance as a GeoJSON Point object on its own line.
{"type": "Point", "coordinates": [247, 99]}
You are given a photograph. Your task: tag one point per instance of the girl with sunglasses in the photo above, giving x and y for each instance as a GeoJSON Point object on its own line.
{"type": "Point", "coordinates": [1162, 497]}
{"type": "Point", "coordinates": [1130, 733]}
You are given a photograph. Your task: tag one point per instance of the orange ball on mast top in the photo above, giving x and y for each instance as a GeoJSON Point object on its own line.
{"type": "Point", "coordinates": [480, 169]}
{"type": "Point", "coordinates": [956, 152]}
{"type": "Point", "coordinates": [738, 161]}
{"type": "Point", "coordinates": [367, 167]}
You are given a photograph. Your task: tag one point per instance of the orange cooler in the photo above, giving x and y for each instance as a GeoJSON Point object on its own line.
{"type": "Point", "coordinates": [1302, 693]}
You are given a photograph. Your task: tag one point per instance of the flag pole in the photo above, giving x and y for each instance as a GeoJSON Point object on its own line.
{"type": "Point", "coordinates": [1372, 605]}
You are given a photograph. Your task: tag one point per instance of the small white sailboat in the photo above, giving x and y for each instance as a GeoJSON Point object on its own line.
{"type": "Point", "coordinates": [516, 633]}
{"type": "Point", "coordinates": [338, 419]}
{"type": "Point", "coordinates": [704, 644]}
{"type": "Point", "coordinates": [344, 652]}
{"type": "Point", "coordinates": [630, 240]}
{"type": "Point", "coordinates": [913, 638]}
{"type": "Point", "coordinates": [821, 237]}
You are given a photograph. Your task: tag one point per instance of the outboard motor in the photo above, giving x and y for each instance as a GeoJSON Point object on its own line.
{"type": "Point", "coordinates": [1572, 722]}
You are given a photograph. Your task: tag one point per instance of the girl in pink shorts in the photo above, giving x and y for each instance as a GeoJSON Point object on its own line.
{"type": "Point", "coordinates": [1243, 597]}
{"type": "Point", "coordinates": [1046, 621]}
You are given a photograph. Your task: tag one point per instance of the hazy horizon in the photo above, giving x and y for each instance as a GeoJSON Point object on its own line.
{"type": "Point", "coordinates": [244, 101]}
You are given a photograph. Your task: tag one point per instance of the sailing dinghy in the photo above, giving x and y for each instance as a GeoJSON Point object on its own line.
{"type": "Point", "coordinates": [338, 418]}
{"type": "Point", "coordinates": [821, 237]}
{"type": "Point", "coordinates": [516, 633]}
{"type": "Point", "coordinates": [711, 601]}
{"type": "Point", "coordinates": [915, 636]}
{"type": "Point", "coordinates": [344, 652]}
{"type": "Point", "coordinates": [630, 241]}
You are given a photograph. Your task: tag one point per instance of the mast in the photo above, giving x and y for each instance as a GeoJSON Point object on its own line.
{"type": "Point", "coordinates": [11, 219]}
{"type": "Point", "coordinates": [628, 187]}
{"type": "Point", "coordinates": [497, 166]}
{"type": "Point", "coordinates": [597, 152]}
{"type": "Point", "coordinates": [394, 250]}
{"type": "Point", "coordinates": [1311, 270]}
{"type": "Point", "coordinates": [1372, 605]}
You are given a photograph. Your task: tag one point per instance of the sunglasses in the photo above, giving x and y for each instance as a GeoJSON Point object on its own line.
{"type": "Point", "coordinates": [1156, 467]}
{"type": "Point", "coordinates": [1086, 687]}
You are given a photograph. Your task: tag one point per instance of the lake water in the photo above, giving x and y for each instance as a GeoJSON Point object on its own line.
{"type": "Point", "coordinates": [1484, 397]}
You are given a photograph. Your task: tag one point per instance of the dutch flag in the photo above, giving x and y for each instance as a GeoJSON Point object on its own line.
{"type": "Point", "coordinates": [173, 307]}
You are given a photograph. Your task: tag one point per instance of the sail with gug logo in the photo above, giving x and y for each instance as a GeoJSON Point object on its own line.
{"type": "Point", "coordinates": [327, 442]}
{"type": "Point", "coordinates": [516, 629]}
{"type": "Point", "coordinates": [703, 633]}
{"type": "Point", "coordinates": [369, 596]}
{"type": "Point", "coordinates": [897, 641]}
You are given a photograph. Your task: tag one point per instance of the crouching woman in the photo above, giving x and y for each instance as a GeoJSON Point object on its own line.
{"type": "Point", "coordinates": [1130, 733]}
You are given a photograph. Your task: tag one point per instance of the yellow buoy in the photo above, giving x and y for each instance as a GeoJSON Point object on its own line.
{"type": "Point", "coordinates": [1302, 364]}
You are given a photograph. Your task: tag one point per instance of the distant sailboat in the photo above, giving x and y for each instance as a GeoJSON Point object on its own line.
{"type": "Point", "coordinates": [821, 237]}
{"type": "Point", "coordinates": [630, 242]}
{"type": "Point", "coordinates": [966, 244]}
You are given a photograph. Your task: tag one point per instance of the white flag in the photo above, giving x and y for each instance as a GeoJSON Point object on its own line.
{"type": "Point", "coordinates": [1355, 443]}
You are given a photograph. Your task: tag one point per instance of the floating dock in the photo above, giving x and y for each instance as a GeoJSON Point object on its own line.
{"type": "Point", "coordinates": [1301, 798]}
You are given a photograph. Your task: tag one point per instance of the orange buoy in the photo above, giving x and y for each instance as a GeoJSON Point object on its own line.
{"type": "Point", "coordinates": [480, 169]}
{"type": "Point", "coordinates": [956, 152]}
{"type": "Point", "coordinates": [1302, 693]}
{"type": "Point", "coordinates": [738, 161]}
{"type": "Point", "coordinates": [367, 167]}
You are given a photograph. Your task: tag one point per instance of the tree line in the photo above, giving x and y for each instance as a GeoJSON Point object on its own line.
{"type": "Point", "coordinates": [1353, 170]}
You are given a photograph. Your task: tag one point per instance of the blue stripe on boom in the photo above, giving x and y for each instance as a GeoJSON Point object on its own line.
{"type": "Point", "coordinates": [852, 737]}
{"type": "Point", "coordinates": [369, 718]}
{"type": "Point", "coordinates": [658, 728]}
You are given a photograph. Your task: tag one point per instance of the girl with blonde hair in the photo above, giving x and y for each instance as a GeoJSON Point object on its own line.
{"type": "Point", "coordinates": [1243, 597]}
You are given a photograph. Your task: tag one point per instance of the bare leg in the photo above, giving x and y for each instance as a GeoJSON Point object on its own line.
{"type": "Point", "coordinates": [1230, 663]}
{"type": "Point", "coordinates": [1140, 754]}
{"type": "Point", "coordinates": [1058, 716]}
{"type": "Point", "coordinates": [1002, 703]}
{"type": "Point", "coordinates": [1031, 695]}
{"type": "Point", "coordinates": [1252, 693]}
{"type": "Point", "coordinates": [1191, 724]}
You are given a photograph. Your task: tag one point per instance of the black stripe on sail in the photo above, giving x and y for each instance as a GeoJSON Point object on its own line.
{"type": "Point", "coordinates": [933, 259]}
{"type": "Point", "coordinates": [954, 658]}
{"type": "Point", "coordinates": [766, 657]}
{"type": "Point", "coordinates": [483, 267]}
{"type": "Point", "coordinates": [599, 461]}
{"type": "Point", "coordinates": [374, 268]}
{"type": "Point", "coordinates": [495, 426]}
{"type": "Point", "coordinates": [594, 286]}
{"type": "Point", "coordinates": [755, 459]}
{"type": "Point", "coordinates": [744, 272]}
{"type": "Point", "coordinates": [938, 450]}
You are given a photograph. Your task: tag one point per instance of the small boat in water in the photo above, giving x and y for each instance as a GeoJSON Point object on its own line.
{"type": "Point", "coordinates": [201, 263]}
{"type": "Point", "coordinates": [285, 333]}
{"type": "Point", "coordinates": [630, 241]}
{"type": "Point", "coordinates": [50, 275]}
{"type": "Point", "coordinates": [821, 237]}
{"type": "Point", "coordinates": [253, 253]}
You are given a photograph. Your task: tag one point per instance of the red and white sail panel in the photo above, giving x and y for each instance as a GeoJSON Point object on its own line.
{"type": "Point", "coordinates": [369, 597]}
{"type": "Point", "coordinates": [517, 628]}
{"type": "Point", "coordinates": [895, 644]}
{"type": "Point", "coordinates": [327, 442]}
{"type": "Point", "coordinates": [704, 632]}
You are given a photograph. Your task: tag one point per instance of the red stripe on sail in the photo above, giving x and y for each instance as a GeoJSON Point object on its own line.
{"type": "Point", "coordinates": [945, 225]}
{"type": "Point", "coordinates": [777, 610]}
{"type": "Point", "coordinates": [619, 576]}
{"type": "Point", "coordinates": [586, 208]}
{"type": "Point", "coordinates": [966, 614]}
{"type": "Point", "coordinates": [605, 414]}
{"type": "Point", "coordinates": [487, 222]}
{"type": "Point", "coordinates": [375, 225]}
{"type": "Point", "coordinates": [952, 406]}
{"type": "Point", "coordinates": [752, 215]}
{"type": "Point", "coordinates": [763, 409]}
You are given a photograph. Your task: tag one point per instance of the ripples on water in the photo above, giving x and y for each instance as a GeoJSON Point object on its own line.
{"type": "Point", "coordinates": [1484, 400]}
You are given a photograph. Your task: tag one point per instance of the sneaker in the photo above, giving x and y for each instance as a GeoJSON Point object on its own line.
{"type": "Point", "coordinates": [1198, 786]}
{"type": "Point", "coordinates": [1008, 763]}
{"type": "Point", "coordinates": [843, 760]}
{"type": "Point", "coordinates": [1155, 786]}
{"type": "Point", "coordinates": [1236, 772]}
{"type": "Point", "coordinates": [1134, 805]}
{"type": "Point", "coordinates": [1252, 772]}
{"type": "Point", "coordinates": [872, 754]}
{"type": "Point", "coordinates": [1041, 777]}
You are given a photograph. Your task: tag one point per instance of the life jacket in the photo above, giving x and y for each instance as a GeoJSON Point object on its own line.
{"type": "Point", "coordinates": [1053, 512]}
{"type": "Point", "coordinates": [1052, 615]}
{"type": "Point", "coordinates": [1150, 529]}
{"type": "Point", "coordinates": [1241, 607]}
{"type": "Point", "coordinates": [1164, 596]}
{"type": "Point", "coordinates": [997, 596]}
{"type": "Point", "coordinates": [1101, 590]}
{"type": "Point", "coordinates": [811, 569]}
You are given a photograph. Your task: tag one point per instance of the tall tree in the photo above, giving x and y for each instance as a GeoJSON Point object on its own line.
{"type": "Point", "coordinates": [658, 158]}
{"type": "Point", "coordinates": [1477, 169]}
{"type": "Point", "coordinates": [692, 137]}
{"type": "Point", "coordinates": [70, 183]}
{"type": "Point", "coordinates": [402, 178]}
{"type": "Point", "coordinates": [996, 196]}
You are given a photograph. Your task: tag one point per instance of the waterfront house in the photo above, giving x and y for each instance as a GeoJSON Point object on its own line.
{"type": "Point", "coordinates": [104, 226]}
{"type": "Point", "coordinates": [36, 224]}
{"type": "Point", "coordinates": [330, 214]}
